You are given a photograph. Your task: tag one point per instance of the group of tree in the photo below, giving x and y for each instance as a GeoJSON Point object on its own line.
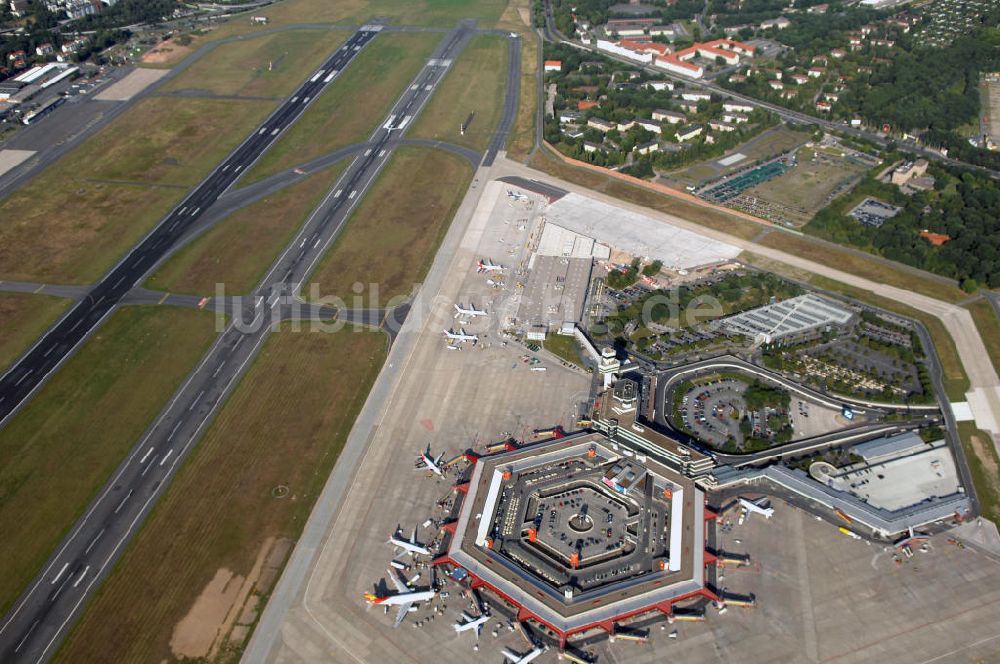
{"type": "Point", "coordinates": [129, 12]}
{"type": "Point", "coordinates": [965, 207]}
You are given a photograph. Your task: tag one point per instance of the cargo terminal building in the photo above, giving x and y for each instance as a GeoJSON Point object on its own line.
{"type": "Point", "coordinates": [582, 532]}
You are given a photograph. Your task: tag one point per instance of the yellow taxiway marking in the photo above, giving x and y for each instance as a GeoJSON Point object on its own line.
{"type": "Point", "coordinates": [165, 296]}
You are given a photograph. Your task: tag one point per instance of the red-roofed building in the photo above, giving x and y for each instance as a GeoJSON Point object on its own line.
{"type": "Point", "coordinates": [553, 65]}
{"type": "Point", "coordinates": [937, 239]}
{"type": "Point", "coordinates": [727, 49]}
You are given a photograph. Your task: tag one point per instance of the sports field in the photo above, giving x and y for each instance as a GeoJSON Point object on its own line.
{"type": "Point", "coordinates": [253, 478]}
{"type": "Point", "coordinates": [353, 105]}
{"type": "Point", "coordinates": [74, 220]}
{"type": "Point", "coordinates": [391, 238]}
{"type": "Point", "coordinates": [269, 65]}
{"type": "Point", "coordinates": [472, 92]}
{"type": "Point", "coordinates": [67, 441]}
{"type": "Point", "coordinates": [23, 318]}
{"type": "Point", "coordinates": [238, 250]}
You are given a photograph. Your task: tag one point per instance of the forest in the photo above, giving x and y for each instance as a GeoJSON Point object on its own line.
{"type": "Point", "coordinates": [964, 206]}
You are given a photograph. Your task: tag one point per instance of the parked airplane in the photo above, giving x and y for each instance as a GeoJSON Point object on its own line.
{"type": "Point", "coordinates": [409, 545]}
{"type": "Point", "coordinates": [404, 598]}
{"type": "Point", "coordinates": [425, 460]}
{"type": "Point", "coordinates": [468, 622]}
{"type": "Point", "coordinates": [468, 311]}
{"type": "Point", "coordinates": [513, 195]}
{"type": "Point", "coordinates": [460, 336]}
{"type": "Point", "coordinates": [518, 659]}
{"type": "Point", "coordinates": [754, 507]}
{"type": "Point", "coordinates": [486, 265]}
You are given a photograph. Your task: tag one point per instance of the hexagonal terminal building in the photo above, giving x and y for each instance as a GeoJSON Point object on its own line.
{"type": "Point", "coordinates": [582, 532]}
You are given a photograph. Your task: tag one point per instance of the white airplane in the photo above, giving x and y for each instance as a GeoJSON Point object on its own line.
{"type": "Point", "coordinates": [460, 336]}
{"type": "Point", "coordinates": [513, 195]}
{"type": "Point", "coordinates": [470, 311]}
{"type": "Point", "coordinates": [468, 622]}
{"type": "Point", "coordinates": [409, 545]}
{"type": "Point", "coordinates": [518, 659]}
{"type": "Point", "coordinates": [404, 598]}
{"type": "Point", "coordinates": [486, 265]}
{"type": "Point", "coordinates": [752, 507]}
{"type": "Point", "coordinates": [425, 460]}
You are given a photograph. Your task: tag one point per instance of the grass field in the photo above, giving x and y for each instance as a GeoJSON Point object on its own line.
{"type": "Point", "coordinates": [864, 266]}
{"type": "Point", "coordinates": [391, 238]}
{"type": "Point", "coordinates": [269, 65]}
{"type": "Point", "coordinates": [809, 186]}
{"type": "Point", "coordinates": [23, 318]}
{"type": "Point", "coordinates": [565, 348]}
{"type": "Point", "coordinates": [474, 86]}
{"type": "Point", "coordinates": [989, 329]}
{"type": "Point", "coordinates": [284, 426]}
{"type": "Point", "coordinates": [65, 444]}
{"type": "Point", "coordinates": [353, 105]}
{"type": "Point", "coordinates": [69, 224]}
{"type": "Point", "coordinates": [239, 249]}
{"type": "Point", "coordinates": [984, 466]}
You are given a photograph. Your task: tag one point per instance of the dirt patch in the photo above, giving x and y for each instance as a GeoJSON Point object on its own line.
{"type": "Point", "coordinates": [164, 52]}
{"type": "Point", "coordinates": [128, 87]}
{"type": "Point", "coordinates": [525, 15]}
{"type": "Point", "coordinates": [194, 635]}
{"type": "Point", "coordinates": [225, 610]}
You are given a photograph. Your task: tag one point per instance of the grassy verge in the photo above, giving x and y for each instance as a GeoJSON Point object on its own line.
{"type": "Point", "coordinates": [985, 468]}
{"type": "Point", "coordinates": [565, 348]}
{"type": "Point", "coordinates": [474, 86]}
{"type": "Point", "coordinates": [956, 383]}
{"type": "Point", "coordinates": [60, 449]}
{"type": "Point", "coordinates": [353, 105]}
{"type": "Point", "coordinates": [269, 65]}
{"type": "Point", "coordinates": [989, 329]}
{"type": "Point", "coordinates": [390, 240]}
{"type": "Point", "coordinates": [238, 250]}
{"type": "Point", "coordinates": [23, 318]}
{"type": "Point", "coordinates": [862, 266]}
{"type": "Point", "coordinates": [284, 426]}
{"type": "Point", "coordinates": [71, 222]}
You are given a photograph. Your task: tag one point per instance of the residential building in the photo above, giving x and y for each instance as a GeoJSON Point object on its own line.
{"type": "Point", "coordinates": [670, 116]}
{"type": "Point", "coordinates": [553, 65]}
{"type": "Point", "coordinates": [648, 148]}
{"type": "Point", "coordinates": [780, 23]}
{"type": "Point", "coordinates": [689, 132]}
{"type": "Point", "coordinates": [600, 125]}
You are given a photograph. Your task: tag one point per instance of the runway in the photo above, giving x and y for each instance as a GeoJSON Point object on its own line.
{"type": "Point", "coordinates": [43, 614]}
{"type": "Point", "coordinates": [31, 370]}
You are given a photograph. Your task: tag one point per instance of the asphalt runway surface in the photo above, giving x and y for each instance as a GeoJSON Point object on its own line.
{"type": "Point", "coordinates": [30, 371]}
{"type": "Point", "coordinates": [42, 614]}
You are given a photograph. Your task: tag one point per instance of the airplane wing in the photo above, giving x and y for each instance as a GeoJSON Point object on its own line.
{"type": "Point", "coordinates": [396, 581]}
{"type": "Point", "coordinates": [401, 614]}
{"type": "Point", "coordinates": [437, 462]}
